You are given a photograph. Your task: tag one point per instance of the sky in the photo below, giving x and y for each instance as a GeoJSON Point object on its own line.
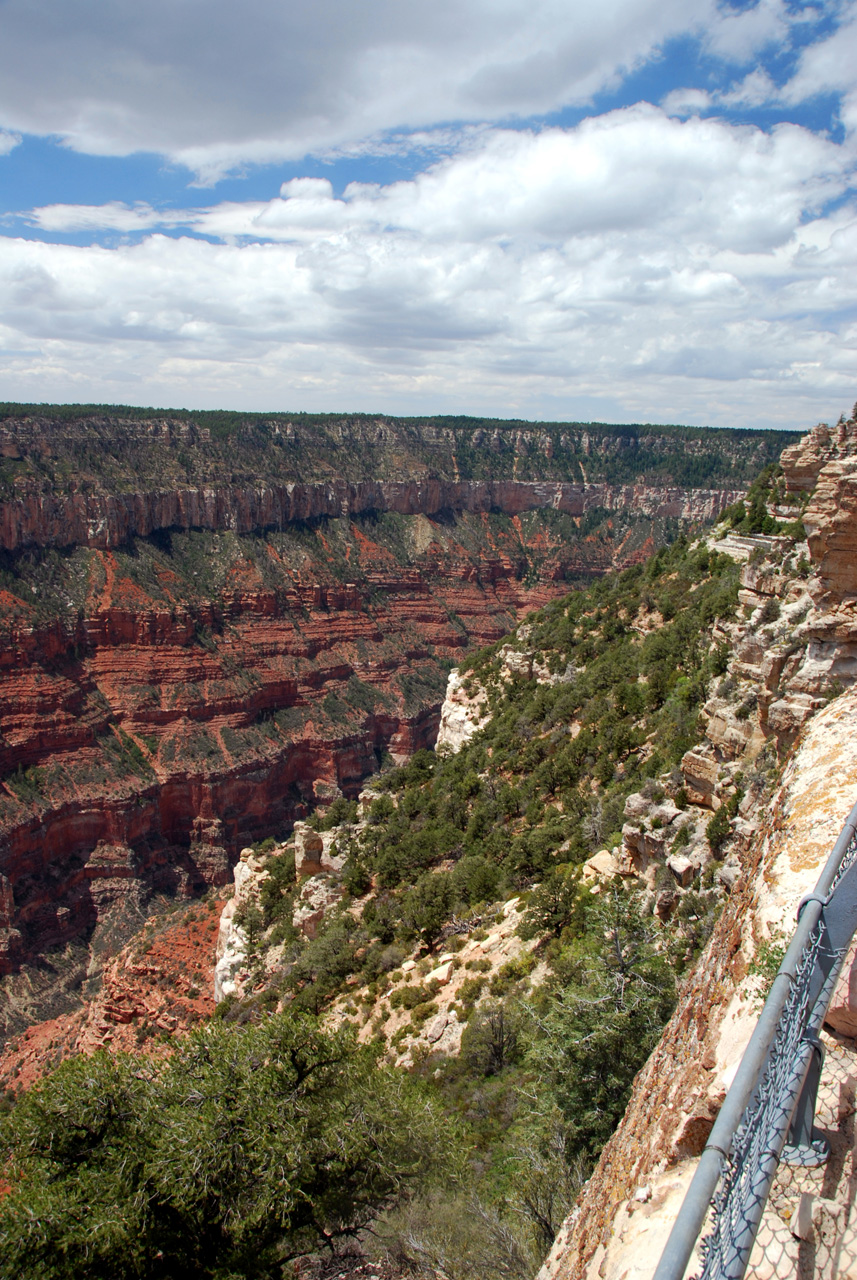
{"type": "Point", "coordinates": [630, 211]}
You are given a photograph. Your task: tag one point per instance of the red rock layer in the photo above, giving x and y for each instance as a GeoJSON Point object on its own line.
{"type": "Point", "coordinates": [145, 741]}
{"type": "Point", "coordinates": [157, 725]}
{"type": "Point", "coordinates": [158, 986]}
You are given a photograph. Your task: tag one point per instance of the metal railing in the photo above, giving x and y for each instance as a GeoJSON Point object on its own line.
{"type": "Point", "coordinates": [769, 1110]}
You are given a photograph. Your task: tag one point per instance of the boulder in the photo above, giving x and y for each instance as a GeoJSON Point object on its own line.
{"type": "Point", "coordinates": [728, 876]}
{"type": "Point", "coordinates": [682, 868]}
{"type": "Point", "coordinates": [315, 853]}
{"type": "Point", "coordinates": [664, 903]}
{"type": "Point", "coordinates": [636, 805]}
{"type": "Point", "coordinates": [700, 773]}
{"type": "Point", "coordinates": [601, 865]}
{"type": "Point", "coordinates": [435, 1027]}
{"type": "Point", "coordinates": [318, 894]}
{"type": "Point", "coordinates": [441, 975]}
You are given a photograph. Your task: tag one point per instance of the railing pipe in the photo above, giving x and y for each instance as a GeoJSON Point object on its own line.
{"type": "Point", "coordinates": [685, 1233]}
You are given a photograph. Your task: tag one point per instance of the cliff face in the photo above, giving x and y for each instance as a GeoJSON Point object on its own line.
{"type": "Point", "coordinates": [794, 650]}
{"type": "Point", "coordinates": [625, 1214]}
{"type": "Point", "coordinates": [831, 525]}
{"type": "Point", "coordinates": [109, 520]}
{"type": "Point", "coordinates": [144, 742]}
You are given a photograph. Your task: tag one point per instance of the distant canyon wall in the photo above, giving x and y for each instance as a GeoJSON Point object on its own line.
{"type": "Point", "coordinates": [108, 520]}
{"type": "Point", "coordinates": [164, 702]}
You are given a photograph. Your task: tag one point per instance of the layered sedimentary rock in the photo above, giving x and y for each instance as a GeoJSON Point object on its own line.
{"type": "Point", "coordinates": [802, 462]}
{"type": "Point", "coordinates": [831, 525]}
{"type": "Point", "coordinates": [157, 722]}
{"type": "Point", "coordinates": [110, 520]}
{"type": "Point", "coordinates": [205, 632]}
{"type": "Point", "coordinates": [167, 701]}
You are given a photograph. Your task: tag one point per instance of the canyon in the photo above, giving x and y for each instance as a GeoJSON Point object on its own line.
{"type": "Point", "coordinates": [171, 696]}
{"type": "Point", "coordinates": [206, 631]}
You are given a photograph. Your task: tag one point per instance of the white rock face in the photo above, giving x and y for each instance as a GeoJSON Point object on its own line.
{"type": "Point", "coordinates": [231, 954]}
{"type": "Point", "coordinates": [461, 715]}
{"type": "Point", "coordinates": [232, 942]}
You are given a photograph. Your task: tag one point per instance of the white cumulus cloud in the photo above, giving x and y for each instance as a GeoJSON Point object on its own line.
{"type": "Point", "coordinates": [830, 66]}
{"type": "Point", "coordinates": [637, 266]}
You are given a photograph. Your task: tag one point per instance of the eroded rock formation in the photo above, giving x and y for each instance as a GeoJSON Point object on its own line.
{"type": "Point", "coordinates": [203, 636]}
{"type": "Point", "coordinates": [158, 985]}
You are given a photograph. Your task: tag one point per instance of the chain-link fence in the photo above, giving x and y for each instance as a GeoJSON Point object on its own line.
{"type": "Point", "coordinates": [769, 1110]}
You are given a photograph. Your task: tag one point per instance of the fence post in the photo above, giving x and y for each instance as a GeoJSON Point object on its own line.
{"type": "Point", "coordinates": [806, 1147]}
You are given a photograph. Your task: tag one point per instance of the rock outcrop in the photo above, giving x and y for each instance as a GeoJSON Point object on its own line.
{"type": "Point", "coordinates": [614, 1232]}
{"type": "Point", "coordinates": [461, 715]}
{"type": "Point", "coordinates": [803, 461]}
{"type": "Point", "coordinates": [789, 689]}
{"type": "Point", "coordinates": [233, 943]}
{"type": "Point", "coordinates": [831, 526]}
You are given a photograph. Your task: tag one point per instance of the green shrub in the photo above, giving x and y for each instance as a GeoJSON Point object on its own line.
{"type": "Point", "coordinates": [717, 830]}
{"type": "Point", "coordinates": [227, 1136]}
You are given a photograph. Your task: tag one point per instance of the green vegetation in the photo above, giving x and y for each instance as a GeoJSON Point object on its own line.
{"type": "Point", "coordinates": [751, 516]}
{"type": "Point", "coordinates": [241, 1150]}
{"type": "Point", "coordinates": [263, 1136]}
{"type": "Point", "coordinates": [552, 768]}
{"type": "Point", "coordinates": [118, 448]}
{"type": "Point", "coordinates": [539, 1085]}
{"type": "Point", "coordinates": [544, 1072]}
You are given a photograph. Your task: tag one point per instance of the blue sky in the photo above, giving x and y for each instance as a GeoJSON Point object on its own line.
{"type": "Point", "coordinates": [633, 211]}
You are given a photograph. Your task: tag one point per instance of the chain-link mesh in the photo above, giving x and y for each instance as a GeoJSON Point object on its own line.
{"type": "Point", "coordinates": [739, 1201]}
{"type": "Point", "coordinates": [848, 860]}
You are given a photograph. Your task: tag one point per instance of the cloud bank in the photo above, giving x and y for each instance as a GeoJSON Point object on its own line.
{"type": "Point", "coordinates": [212, 84]}
{"type": "Point", "coordinates": [651, 267]}
{"type": "Point", "coordinates": [651, 262]}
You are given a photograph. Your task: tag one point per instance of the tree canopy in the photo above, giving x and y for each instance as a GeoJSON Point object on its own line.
{"type": "Point", "coordinates": [246, 1147]}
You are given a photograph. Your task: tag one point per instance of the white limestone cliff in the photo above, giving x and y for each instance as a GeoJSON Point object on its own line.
{"type": "Point", "coordinates": [461, 715]}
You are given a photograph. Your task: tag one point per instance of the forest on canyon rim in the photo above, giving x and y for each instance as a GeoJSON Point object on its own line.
{"type": "Point", "coordinates": [216, 626]}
